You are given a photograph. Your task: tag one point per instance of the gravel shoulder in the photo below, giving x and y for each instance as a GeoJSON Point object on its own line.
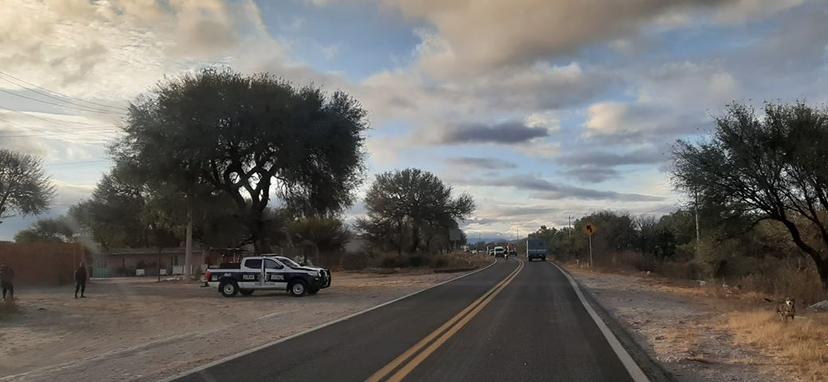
{"type": "Point", "coordinates": [689, 329]}
{"type": "Point", "coordinates": [135, 329]}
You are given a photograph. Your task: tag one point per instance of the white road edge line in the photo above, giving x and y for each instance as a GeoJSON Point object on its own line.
{"type": "Point", "coordinates": [352, 315]}
{"type": "Point", "coordinates": [626, 359]}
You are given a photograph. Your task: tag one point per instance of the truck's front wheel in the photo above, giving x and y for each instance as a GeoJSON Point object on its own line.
{"type": "Point", "coordinates": [297, 288]}
{"type": "Point", "coordinates": [229, 289]}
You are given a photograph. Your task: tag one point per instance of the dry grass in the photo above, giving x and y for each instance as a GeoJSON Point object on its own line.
{"type": "Point", "coordinates": [802, 343]}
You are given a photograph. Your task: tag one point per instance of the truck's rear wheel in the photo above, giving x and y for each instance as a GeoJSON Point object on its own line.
{"type": "Point", "coordinates": [297, 288]}
{"type": "Point", "coordinates": [246, 292]}
{"type": "Point", "coordinates": [228, 289]}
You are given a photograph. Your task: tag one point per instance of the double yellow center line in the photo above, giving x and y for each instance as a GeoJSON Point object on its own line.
{"type": "Point", "coordinates": [405, 363]}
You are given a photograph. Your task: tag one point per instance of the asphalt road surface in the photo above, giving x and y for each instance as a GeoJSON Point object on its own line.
{"type": "Point", "coordinates": [513, 321]}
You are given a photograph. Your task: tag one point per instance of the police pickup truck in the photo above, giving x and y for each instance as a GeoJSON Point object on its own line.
{"type": "Point", "coordinates": [268, 273]}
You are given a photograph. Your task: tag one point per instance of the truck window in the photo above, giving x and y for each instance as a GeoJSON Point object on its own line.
{"type": "Point", "coordinates": [270, 264]}
{"type": "Point", "coordinates": [253, 263]}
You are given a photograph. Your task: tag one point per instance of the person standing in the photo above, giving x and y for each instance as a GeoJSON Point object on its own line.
{"type": "Point", "coordinates": [7, 281]}
{"type": "Point", "coordinates": [80, 280]}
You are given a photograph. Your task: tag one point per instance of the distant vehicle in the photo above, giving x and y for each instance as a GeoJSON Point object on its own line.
{"type": "Point", "coordinates": [499, 252]}
{"type": "Point", "coordinates": [267, 273]}
{"type": "Point", "coordinates": [535, 249]}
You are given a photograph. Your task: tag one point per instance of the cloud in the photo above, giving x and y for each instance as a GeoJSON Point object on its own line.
{"type": "Point", "coordinates": [531, 94]}
{"type": "Point", "coordinates": [547, 120]}
{"type": "Point", "coordinates": [673, 100]}
{"type": "Point", "coordinates": [741, 11]}
{"type": "Point", "coordinates": [481, 163]}
{"type": "Point", "coordinates": [590, 194]}
{"type": "Point", "coordinates": [503, 133]}
{"type": "Point", "coordinates": [114, 50]}
{"type": "Point", "coordinates": [599, 157]}
{"type": "Point", "coordinates": [544, 189]}
{"type": "Point", "coordinates": [594, 165]}
{"type": "Point", "coordinates": [474, 37]}
{"type": "Point", "coordinates": [592, 174]}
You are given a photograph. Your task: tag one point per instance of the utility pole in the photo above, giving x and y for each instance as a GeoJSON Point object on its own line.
{"type": "Point", "coordinates": [590, 251]}
{"type": "Point", "coordinates": [188, 246]}
{"type": "Point", "coordinates": [696, 210]}
{"type": "Point", "coordinates": [570, 225]}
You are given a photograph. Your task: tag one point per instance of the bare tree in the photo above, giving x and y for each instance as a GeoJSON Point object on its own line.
{"type": "Point", "coordinates": [24, 187]}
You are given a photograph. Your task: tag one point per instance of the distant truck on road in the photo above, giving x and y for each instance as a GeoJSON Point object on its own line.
{"type": "Point", "coordinates": [535, 249]}
{"type": "Point", "coordinates": [268, 273]}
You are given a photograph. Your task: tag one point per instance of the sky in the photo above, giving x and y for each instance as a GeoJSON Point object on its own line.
{"type": "Point", "coordinates": [540, 109]}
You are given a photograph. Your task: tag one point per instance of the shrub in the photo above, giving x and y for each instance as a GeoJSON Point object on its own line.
{"type": "Point", "coordinates": [393, 261]}
{"type": "Point", "coordinates": [439, 262]}
{"type": "Point", "coordinates": [418, 260]}
{"type": "Point", "coordinates": [355, 261]}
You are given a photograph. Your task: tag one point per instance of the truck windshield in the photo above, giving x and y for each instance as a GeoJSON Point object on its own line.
{"type": "Point", "coordinates": [289, 262]}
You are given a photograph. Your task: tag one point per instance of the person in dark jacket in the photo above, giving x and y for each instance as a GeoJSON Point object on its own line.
{"type": "Point", "coordinates": [80, 280]}
{"type": "Point", "coordinates": [7, 281]}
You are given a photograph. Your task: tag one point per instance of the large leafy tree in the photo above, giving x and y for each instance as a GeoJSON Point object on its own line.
{"type": "Point", "coordinates": [771, 167]}
{"type": "Point", "coordinates": [58, 230]}
{"type": "Point", "coordinates": [123, 212]}
{"type": "Point", "coordinates": [328, 234]}
{"type": "Point", "coordinates": [250, 138]}
{"type": "Point", "coordinates": [113, 216]}
{"type": "Point", "coordinates": [412, 204]}
{"type": "Point", "coordinates": [24, 187]}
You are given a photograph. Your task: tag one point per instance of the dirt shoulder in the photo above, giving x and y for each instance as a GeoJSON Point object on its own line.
{"type": "Point", "coordinates": [139, 329]}
{"type": "Point", "coordinates": [704, 333]}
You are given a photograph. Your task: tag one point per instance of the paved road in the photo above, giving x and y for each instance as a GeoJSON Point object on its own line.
{"type": "Point", "coordinates": [532, 328]}
{"type": "Point", "coordinates": [535, 330]}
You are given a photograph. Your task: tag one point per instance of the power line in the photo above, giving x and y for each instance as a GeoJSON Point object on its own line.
{"type": "Point", "coordinates": [90, 129]}
{"type": "Point", "coordinates": [77, 163]}
{"type": "Point", "coordinates": [47, 119]}
{"type": "Point", "coordinates": [56, 95]}
{"type": "Point", "coordinates": [56, 104]}
{"type": "Point", "coordinates": [54, 135]}
{"type": "Point", "coordinates": [25, 132]}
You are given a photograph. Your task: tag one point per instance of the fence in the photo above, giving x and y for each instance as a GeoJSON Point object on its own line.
{"type": "Point", "coordinates": [42, 263]}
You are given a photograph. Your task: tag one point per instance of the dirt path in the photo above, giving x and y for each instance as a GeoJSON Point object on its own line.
{"type": "Point", "coordinates": [681, 327]}
{"type": "Point", "coordinates": [137, 329]}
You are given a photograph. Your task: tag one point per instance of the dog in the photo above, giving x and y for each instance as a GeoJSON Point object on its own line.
{"type": "Point", "coordinates": [786, 309]}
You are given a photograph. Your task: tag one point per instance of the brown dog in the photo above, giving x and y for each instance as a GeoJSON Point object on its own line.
{"type": "Point", "coordinates": [786, 308]}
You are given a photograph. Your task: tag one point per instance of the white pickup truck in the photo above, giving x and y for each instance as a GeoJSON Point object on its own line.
{"type": "Point", "coordinates": [268, 272]}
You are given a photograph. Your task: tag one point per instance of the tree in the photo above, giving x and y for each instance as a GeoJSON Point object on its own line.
{"type": "Point", "coordinates": [24, 187]}
{"type": "Point", "coordinates": [412, 202]}
{"type": "Point", "coordinates": [59, 230]}
{"type": "Point", "coordinates": [769, 168]}
{"type": "Point", "coordinates": [114, 214]}
{"type": "Point", "coordinates": [251, 138]}
{"type": "Point", "coordinates": [328, 234]}
{"type": "Point", "coordinates": [123, 212]}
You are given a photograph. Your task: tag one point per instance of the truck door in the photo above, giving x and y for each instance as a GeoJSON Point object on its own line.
{"type": "Point", "coordinates": [252, 272]}
{"type": "Point", "coordinates": [274, 274]}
